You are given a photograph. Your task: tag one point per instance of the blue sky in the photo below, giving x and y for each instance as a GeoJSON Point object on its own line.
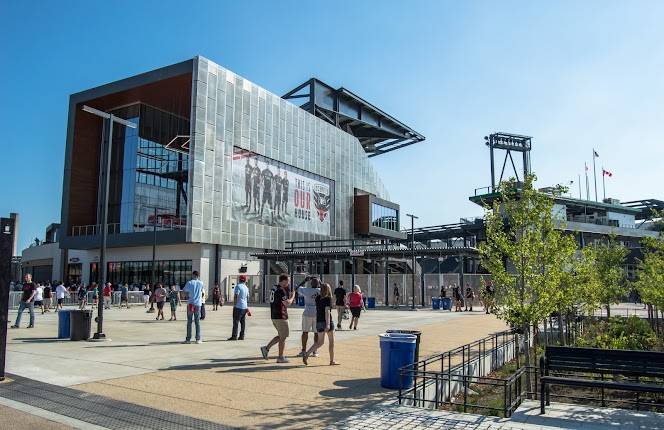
{"type": "Point", "coordinates": [575, 75]}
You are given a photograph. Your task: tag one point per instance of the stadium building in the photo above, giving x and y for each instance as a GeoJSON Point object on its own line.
{"type": "Point", "coordinates": [216, 169]}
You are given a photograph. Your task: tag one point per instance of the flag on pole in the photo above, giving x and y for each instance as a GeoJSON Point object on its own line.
{"type": "Point", "coordinates": [595, 154]}
{"type": "Point", "coordinates": [606, 172]}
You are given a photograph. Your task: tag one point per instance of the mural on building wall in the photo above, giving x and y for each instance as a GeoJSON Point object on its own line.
{"type": "Point", "coordinates": [269, 192]}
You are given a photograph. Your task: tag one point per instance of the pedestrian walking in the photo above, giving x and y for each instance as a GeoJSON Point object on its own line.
{"type": "Point", "coordinates": [488, 297]}
{"type": "Point", "coordinates": [82, 297]}
{"type": "Point", "coordinates": [124, 295]}
{"type": "Point", "coordinates": [240, 308]}
{"type": "Point", "coordinates": [174, 301]}
{"type": "Point", "coordinates": [458, 297]}
{"type": "Point", "coordinates": [107, 295]}
{"type": "Point", "coordinates": [203, 298]}
{"type": "Point", "coordinates": [39, 297]}
{"type": "Point", "coordinates": [160, 299]}
{"type": "Point", "coordinates": [470, 296]}
{"type": "Point", "coordinates": [340, 302]}
{"type": "Point", "coordinates": [95, 295]}
{"type": "Point", "coordinates": [397, 296]}
{"type": "Point", "coordinates": [146, 295]}
{"type": "Point", "coordinates": [48, 294]}
{"type": "Point", "coordinates": [309, 295]}
{"type": "Point", "coordinates": [216, 297]}
{"type": "Point", "coordinates": [356, 303]}
{"type": "Point", "coordinates": [194, 290]}
{"type": "Point", "coordinates": [27, 301]}
{"type": "Point", "coordinates": [60, 292]}
{"type": "Point", "coordinates": [280, 299]}
{"type": "Point", "coordinates": [324, 324]}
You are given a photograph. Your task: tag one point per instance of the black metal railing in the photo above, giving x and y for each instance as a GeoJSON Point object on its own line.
{"type": "Point", "coordinates": [436, 379]}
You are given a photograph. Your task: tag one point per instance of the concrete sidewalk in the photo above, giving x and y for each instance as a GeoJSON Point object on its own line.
{"type": "Point", "coordinates": [228, 382]}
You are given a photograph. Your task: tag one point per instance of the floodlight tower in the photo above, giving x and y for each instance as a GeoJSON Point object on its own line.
{"type": "Point", "coordinates": [509, 143]}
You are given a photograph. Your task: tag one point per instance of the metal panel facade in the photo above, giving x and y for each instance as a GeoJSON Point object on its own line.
{"type": "Point", "coordinates": [230, 111]}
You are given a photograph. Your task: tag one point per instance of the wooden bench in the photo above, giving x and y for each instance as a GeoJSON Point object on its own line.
{"type": "Point", "coordinates": [612, 362]}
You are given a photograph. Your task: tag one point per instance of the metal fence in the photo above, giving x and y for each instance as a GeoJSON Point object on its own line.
{"type": "Point", "coordinates": [371, 285]}
{"type": "Point", "coordinates": [439, 378]}
{"type": "Point", "coordinates": [71, 299]}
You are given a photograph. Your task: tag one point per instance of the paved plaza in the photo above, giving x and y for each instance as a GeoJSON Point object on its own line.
{"type": "Point", "coordinates": [219, 381]}
{"type": "Point", "coordinates": [559, 416]}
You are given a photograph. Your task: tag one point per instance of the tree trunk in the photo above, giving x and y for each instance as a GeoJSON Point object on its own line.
{"type": "Point", "coordinates": [526, 357]}
{"type": "Point", "coordinates": [546, 332]}
{"type": "Point", "coordinates": [608, 311]}
{"type": "Point", "coordinates": [561, 332]}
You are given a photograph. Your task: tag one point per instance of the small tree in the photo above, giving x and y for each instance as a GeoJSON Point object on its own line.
{"type": "Point", "coordinates": [610, 257]}
{"type": "Point", "coordinates": [525, 252]}
{"type": "Point", "coordinates": [578, 292]}
{"type": "Point", "coordinates": [650, 270]}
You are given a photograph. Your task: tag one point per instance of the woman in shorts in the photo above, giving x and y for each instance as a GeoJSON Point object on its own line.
{"type": "Point", "coordinates": [160, 299]}
{"type": "Point", "coordinates": [356, 304]}
{"type": "Point", "coordinates": [324, 323]}
{"type": "Point", "coordinates": [174, 300]}
{"type": "Point", "coordinates": [146, 296]}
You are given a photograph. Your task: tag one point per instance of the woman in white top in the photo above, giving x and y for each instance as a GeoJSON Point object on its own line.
{"type": "Point", "coordinates": [60, 292]}
{"type": "Point", "coordinates": [39, 297]}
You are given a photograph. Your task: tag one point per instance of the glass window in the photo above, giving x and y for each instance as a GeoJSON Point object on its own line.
{"type": "Point", "coordinates": [384, 217]}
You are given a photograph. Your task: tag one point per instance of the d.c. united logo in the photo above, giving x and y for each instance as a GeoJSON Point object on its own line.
{"type": "Point", "coordinates": [321, 201]}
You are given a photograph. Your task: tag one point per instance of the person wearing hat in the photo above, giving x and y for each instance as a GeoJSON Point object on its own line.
{"type": "Point", "coordinates": [240, 307]}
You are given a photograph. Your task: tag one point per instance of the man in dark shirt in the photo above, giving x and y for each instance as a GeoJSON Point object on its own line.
{"type": "Point", "coordinates": [277, 193]}
{"type": "Point", "coordinates": [267, 177]}
{"type": "Point", "coordinates": [280, 299]}
{"type": "Point", "coordinates": [47, 297]}
{"type": "Point", "coordinates": [340, 301]}
{"type": "Point", "coordinates": [397, 296]}
{"type": "Point", "coordinates": [256, 181]}
{"type": "Point", "coordinates": [284, 193]}
{"type": "Point", "coordinates": [27, 301]}
{"type": "Point", "coordinates": [248, 170]}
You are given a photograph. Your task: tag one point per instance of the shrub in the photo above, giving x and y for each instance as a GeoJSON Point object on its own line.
{"type": "Point", "coordinates": [620, 333]}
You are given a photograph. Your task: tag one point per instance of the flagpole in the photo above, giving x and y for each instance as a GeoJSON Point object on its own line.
{"type": "Point", "coordinates": [580, 186]}
{"type": "Point", "coordinates": [603, 183]}
{"type": "Point", "coordinates": [595, 173]}
{"type": "Point", "coordinates": [587, 183]}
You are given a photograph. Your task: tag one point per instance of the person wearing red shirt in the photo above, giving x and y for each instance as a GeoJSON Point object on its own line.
{"type": "Point", "coordinates": [108, 291]}
{"type": "Point", "coordinates": [356, 304]}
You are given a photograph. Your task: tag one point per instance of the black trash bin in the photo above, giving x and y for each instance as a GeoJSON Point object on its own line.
{"type": "Point", "coordinates": [80, 324]}
{"type": "Point", "coordinates": [417, 333]}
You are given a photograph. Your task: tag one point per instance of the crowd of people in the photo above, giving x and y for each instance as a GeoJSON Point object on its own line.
{"type": "Point", "coordinates": [319, 301]}
{"type": "Point", "coordinates": [318, 298]}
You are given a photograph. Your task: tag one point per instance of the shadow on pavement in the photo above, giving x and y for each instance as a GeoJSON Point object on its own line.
{"type": "Point", "coordinates": [40, 339]}
{"type": "Point", "coordinates": [353, 396]}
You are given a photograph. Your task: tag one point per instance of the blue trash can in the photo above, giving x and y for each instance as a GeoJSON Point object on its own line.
{"type": "Point", "coordinates": [300, 301]}
{"type": "Point", "coordinates": [396, 350]}
{"type": "Point", "coordinates": [63, 324]}
{"type": "Point", "coordinates": [447, 303]}
{"type": "Point", "coordinates": [435, 303]}
{"type": "Point", "coordinates": [371, 303]}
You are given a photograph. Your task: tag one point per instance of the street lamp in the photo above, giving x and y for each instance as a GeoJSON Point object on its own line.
{"type": "Point", "coordinates": [107, 145]}
{"type": "Point", "coordinates": [412, 248]}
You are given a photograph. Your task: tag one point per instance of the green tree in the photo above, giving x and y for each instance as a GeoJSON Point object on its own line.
{"type": "Point", "coordinates": [526, 254]}
{"type": "Point", "coordinates": [610, 258]}
{"type": "Point", "coordinates": [579, 288]}
{"type": "Point", "coordinates": [650, 269]}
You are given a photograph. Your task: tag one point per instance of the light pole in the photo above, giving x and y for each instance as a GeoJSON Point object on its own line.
{"type": "Point", "coordinates": [107, 145]}
{"type": "Point", "coordinates": [412, 248]}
